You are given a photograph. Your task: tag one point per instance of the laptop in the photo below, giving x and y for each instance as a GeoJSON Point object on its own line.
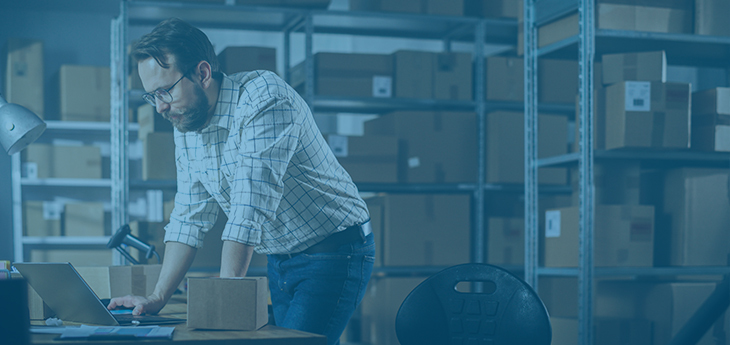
{"type": "Point", "coordinates": [72, 299]}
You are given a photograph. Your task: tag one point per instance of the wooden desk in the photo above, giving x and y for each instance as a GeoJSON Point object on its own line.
{"type": "Point", "coordinates": [267, 335]}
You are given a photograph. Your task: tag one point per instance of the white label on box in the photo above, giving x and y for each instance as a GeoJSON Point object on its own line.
{"type": "Point", "coordinates": [414, 162]}
{"type": "Point", "coordinates": [30, 170]}
{"type": "Point", "coordinates": [382, 86]}
{"type": "Point", "coordinates": [638, 96]}
{"type": "Point", "coordinates": [552, 224]}
{"type": "Point", "coordinates": [338, 144]}
{"type": "Point", "coordinates": [52, 210]}
{"type": "Point", "coordinates": [154, 206]}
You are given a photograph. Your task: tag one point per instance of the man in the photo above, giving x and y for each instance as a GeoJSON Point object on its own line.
{"type": "Point", "coordinates": [249, 144]}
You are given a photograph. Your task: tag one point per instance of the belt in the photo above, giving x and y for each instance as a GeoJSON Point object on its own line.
{"type": "Point", "coordinates": [334, 241]}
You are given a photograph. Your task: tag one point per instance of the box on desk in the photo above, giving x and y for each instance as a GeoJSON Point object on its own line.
{"type": "Point", "coordinates": [227, 303]}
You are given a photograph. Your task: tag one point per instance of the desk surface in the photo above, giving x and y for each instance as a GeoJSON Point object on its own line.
{"type": "Point", "coordinates": [268, 335]}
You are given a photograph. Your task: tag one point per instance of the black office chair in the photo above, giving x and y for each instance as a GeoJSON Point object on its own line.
{"type": "Point", "coordinates": [508, 311]}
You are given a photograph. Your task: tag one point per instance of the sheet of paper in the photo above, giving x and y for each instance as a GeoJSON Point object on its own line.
{"type": "Point", "coordinates": [119, 331]}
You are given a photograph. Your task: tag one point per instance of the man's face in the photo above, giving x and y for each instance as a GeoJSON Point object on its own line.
{"type": "Point", "coordinates": [188, 110]}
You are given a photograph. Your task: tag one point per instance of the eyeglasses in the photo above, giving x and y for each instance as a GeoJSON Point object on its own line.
{"type": "Point", "coordinates": [162, 94]}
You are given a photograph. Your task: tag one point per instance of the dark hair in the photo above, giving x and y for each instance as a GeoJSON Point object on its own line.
{"type": "Point", "coordinates": [173, 36]}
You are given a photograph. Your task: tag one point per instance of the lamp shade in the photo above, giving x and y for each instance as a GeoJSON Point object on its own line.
{"type": "Point", "coordinates": [18, 126]}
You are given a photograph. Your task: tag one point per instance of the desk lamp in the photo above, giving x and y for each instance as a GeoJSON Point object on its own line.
{"type": "Point", "coordinates": [18, 126]}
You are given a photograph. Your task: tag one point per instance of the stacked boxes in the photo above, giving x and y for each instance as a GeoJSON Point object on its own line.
{"type": "Point", "coordinates": [46, 161]}
{"type": "Point", "coordinates": [558, 80]}
{"type": "Point", "coordinates": [240, 59]}
{"type": "Point", "coordinates": [372, 159]}
{"type": "Point", "coordinates": [348, 75]}
{"type": "Point", "coordinates": [710, 17]}
{"type": "Point", "coordinates": [711, 120]}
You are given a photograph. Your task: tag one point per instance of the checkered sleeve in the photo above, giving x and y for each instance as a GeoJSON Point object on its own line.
{"type": "Point", "coordinates": [269, 137]}
{"type": "Point", "coordinates": [195, 209]}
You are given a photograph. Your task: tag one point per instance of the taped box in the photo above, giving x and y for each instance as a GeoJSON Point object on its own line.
{"type": "Point", "coordinates": [227, 303]}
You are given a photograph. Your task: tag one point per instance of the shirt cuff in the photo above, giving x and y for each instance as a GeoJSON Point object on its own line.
{"type": "Point", "coordinates": [184, 234]}
{"type": "Point", "coordinates": [248, 233]}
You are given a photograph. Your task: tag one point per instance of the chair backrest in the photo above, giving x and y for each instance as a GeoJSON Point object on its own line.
{"type": "Point", "coordinates": [507, 311]}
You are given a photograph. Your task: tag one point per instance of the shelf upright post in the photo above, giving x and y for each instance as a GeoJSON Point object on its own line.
{"type": "Point", "coordinates": [586, 51]}
{"type": "Point", "coordinates": [531, 127]}
{"type": "Point", "coordinates": [478, 236]}
{"type": "Point", "coordinates": [309, 60]}
{"type": "Point", "coordinates": [15, 179]}
{"type": "Point", "coordinates": [119, 124]}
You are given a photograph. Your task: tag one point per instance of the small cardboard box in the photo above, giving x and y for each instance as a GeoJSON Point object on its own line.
{"type": "Point", "coordinates": [624, 236]}
{"type": "Point", "coordinates": [37, 161]}
{"type": "Point", "coordinates": [151, 122]}
{"type": "Point", "coordinates": [413, 75]}
{"type": "Point", "coordinates": [83, 219]}
{"type": "Point", "coordinates": [646, 66]}
{"type": "Point", "coordinates": [158, 159]}
{"type": "Point", "coordinates": [452, 76]}
{"type": "Point", "coordinates": [697, 202]}
{"type": "Point", "coordinates": [227, 303]}
{"type": "Point", "coordinates": [648, 114]}
{"type": "Point", "coordinates": [85, 93]}
{"type": "Point", "coordinates": [712, 101]}
{"type": "Point", "coordinates": [348, 75]}
{"type": "Point", "coordinates": [41, 218]}
{"type": "Point", "coordinates": [711, 17]}
{"type": "Point", "coordinates": [505, 141]}
{"type": "Point", "coordinates": [24, 74]}
{"type": "Point", "coordinates": [117, 281]}
{"type": "Point", "coordinates": [372, 159]}
{"type": "Point", "coordinates": [76, 162]}
{"type": "Point", "coordinates": [240, 59]}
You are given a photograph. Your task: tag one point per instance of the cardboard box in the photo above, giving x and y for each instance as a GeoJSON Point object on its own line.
{"type": "Point", "coordinates": [414, 77]}
{"type": "Point", "coordinates": [648, 114]}
{"type": "Point", "coordinates": [445, 7]}
{"type": "Point", "coordinates": [240, 59]}
{"type": "Point", "coordinates": [557, 31]}
{"type": "Point", "coordinates": [492, 8]}
{"type": "Point", "coordinates": [506, 147]}
{"type": "Point", "coordinates": [599, 118]}
{"type": "Point", "coordinates": [667, 17]}
{"type": "Point", "coordinates": [37, 161]}
{"type": "Point", "coordinates": [711, 17]}
{"type": "Point", "coordinates": [452, 77]}
{"type": "Point", "coordinates": [158, 160]}
{"type": "Point", "coordinates": [711, 138]}
{"type": "Point", "coordinates": [227, 303]}
{"type": "Point", "coordinates": [76, 162]}
{"type": "Point", "coordinates": [697, 202]}
{"type": "Point", "coordinates": [438, 147]}
{"type": "Point", "coordinates": [380, 306]}
{"type": "Point", "coordinates": [115, 281]}
{"type": "Point", "coordinates": [83, 219]}
{"type": "Point", "coordinates": [409, 229]}
{"type": "Point", "coordinates": [24, 74]}
{"type": "Point", "coordinates": [607, 331]}
{"type": "Point", "coordinates": [712, 101]}
{"type": "Point", "coordinates": [79, 257]}
{"type": "Point", "coordinates": [646, 66]}
{"type": "Point", "coordinates": [41, 218]}
{"type": "Point", "coordinates": [711, 120]}
{"type": "Point", "coordinates": [372, 159]}
{"type": "Point", "coordinates": [624, 236]}
{"type": "Point", "coordinates": [85, 93]}
{"type": "Point", "coordinates": [151, 122]}
{"type": "Point", "coordinates": [506, 241]}
{"type": "Point", "coordinates": [348, 75]}
{"type": "Point", "coordinates": [506, 80]}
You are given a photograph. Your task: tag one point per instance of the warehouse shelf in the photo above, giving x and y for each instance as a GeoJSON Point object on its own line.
{"type": "Point", "coordinates": [66, 182]}
{"type": "Point", "coordinates": [153, 184]}
{"type": "Point", "coordinates": [66, 240]}
{"type": "Point", "coordinates": [681, 49]}
{"type": "Point", "coordinates": [666, 158]}
{"type": "Point", "coordinates": [279, 19]}
{"type": "Point", "coordinates": [638, 271]}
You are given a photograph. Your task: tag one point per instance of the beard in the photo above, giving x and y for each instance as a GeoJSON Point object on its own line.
{"type": "Point", "coordinates": [192, 118]}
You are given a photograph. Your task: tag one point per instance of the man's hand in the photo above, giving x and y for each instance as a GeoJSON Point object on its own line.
{"type": "Point", "coordinates": [141, 305]}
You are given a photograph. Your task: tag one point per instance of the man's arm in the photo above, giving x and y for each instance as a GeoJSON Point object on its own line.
{"type": "Point", "coordinates": [235, 259]}
{"type": "Point", "coordinates": [178, 258]}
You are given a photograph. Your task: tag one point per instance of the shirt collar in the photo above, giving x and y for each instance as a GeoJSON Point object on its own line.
{"type": "Point", "coordinates": [226, 104]}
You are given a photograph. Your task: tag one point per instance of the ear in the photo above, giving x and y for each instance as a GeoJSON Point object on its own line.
{"type": "Point", "coordinates": [204, 74]}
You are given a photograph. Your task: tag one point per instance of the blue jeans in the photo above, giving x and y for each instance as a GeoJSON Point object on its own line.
{"type": "Point", "coordinates": [318, 293]}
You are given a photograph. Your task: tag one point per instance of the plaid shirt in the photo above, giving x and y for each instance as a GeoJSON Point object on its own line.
{"type": "Point", "coordinates": [265, 162]}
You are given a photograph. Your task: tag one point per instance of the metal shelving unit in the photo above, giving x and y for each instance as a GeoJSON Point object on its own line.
{"type": "Point", "coordinates": [24, 188]}
{"type": "Point", "coordinates": [681, 49]}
